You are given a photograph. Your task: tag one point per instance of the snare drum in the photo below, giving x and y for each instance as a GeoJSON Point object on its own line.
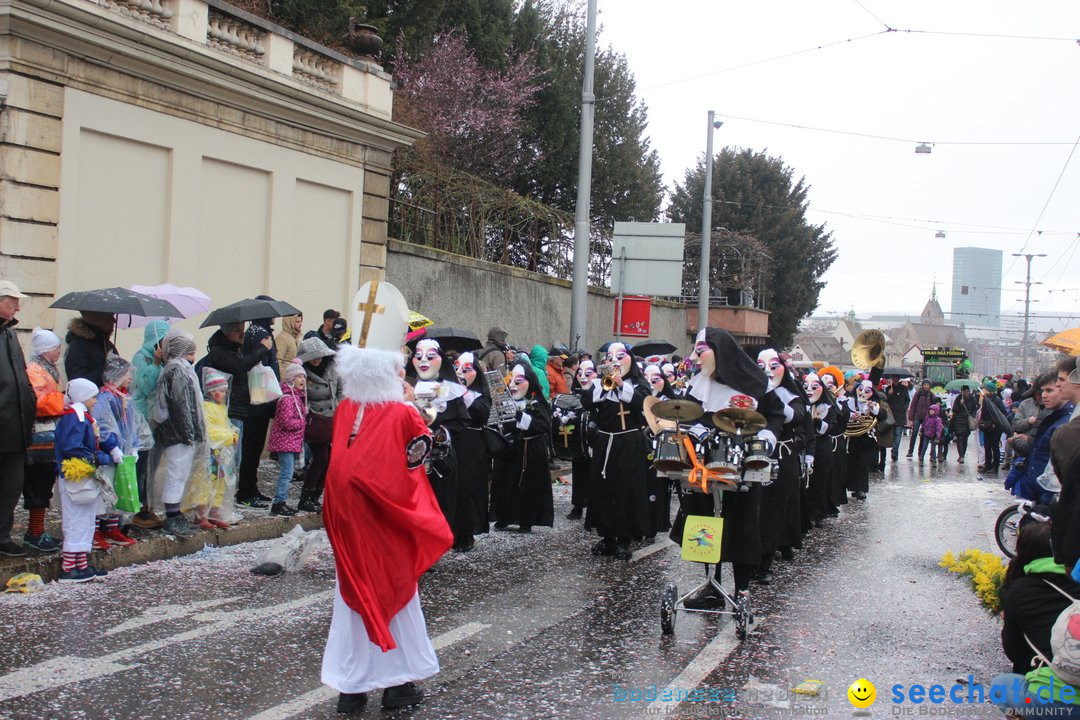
{"type": "Point", "coordinates": [568, 428]}
{"type": "Point", "coordinates": [671, 455]}
{"type": "Point", "coordinates": [757, 454]}
{"type": "Point", "coordinates": [724, 456]}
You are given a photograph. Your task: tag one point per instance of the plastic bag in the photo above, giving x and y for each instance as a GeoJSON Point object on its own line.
{"type": "Point", "coordinates": [263, 386]}
{"type": "Point", "coordinates": [25, 583]}
{"type": "Point", "coordinates": [290, 552]}
{"type": "Point", "coordinates": [126, 485]}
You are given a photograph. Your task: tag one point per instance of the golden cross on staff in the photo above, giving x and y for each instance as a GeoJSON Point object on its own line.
{"type": "Point", "coordinates": [370, 309]}
{"type": "Point", "coordinates": [565, 432]}
{"type": "Point", "coordinates": [623, 412]}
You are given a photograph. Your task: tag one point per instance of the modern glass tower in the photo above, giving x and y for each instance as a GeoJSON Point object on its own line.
{"type": "Point", "coordinates": [976, 286]}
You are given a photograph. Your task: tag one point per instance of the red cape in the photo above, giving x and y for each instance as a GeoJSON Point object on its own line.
{"type": "Point", "coordinates": [382, 518]}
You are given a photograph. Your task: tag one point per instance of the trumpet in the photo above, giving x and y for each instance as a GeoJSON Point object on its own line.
{"type": "Point", "coordinates": [608, 373]}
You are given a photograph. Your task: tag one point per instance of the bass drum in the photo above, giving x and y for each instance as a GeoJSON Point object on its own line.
{"type": "Point", "coordinates": [568, 424]}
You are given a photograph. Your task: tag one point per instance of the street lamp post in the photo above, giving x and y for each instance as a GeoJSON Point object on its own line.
{"type": "Point", "coordinates": [579, 291]}
{"type": "Point", "coordinates": [704, 282]}
{"type": "Point", "coordinates": [1027, 307]}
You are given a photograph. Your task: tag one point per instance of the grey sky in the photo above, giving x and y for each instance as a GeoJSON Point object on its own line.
{"type": "Point", "coordinates": [937, 88]}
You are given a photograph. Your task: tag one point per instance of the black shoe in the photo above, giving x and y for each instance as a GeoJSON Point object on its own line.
{"type": "Point", "coordinates": [524, 529]}
{"type": "Point", "coordinates": [264, 498]}
{"type": "Point", "coordinates": [763, 578]}
{"type": "Point", "coordinates": [280, 508]}
{"type": "Point", "coordinates": [501, 525]}
{"type": "Point", "coordinates": [465, 545]}
{"type": "Point", "coordinates": [251, 502]}
{"type": "Point", "coordinates": [12, 549]}
{"type": "Point", "coordinates": [298, 477]}
{"type": "Point", "coordinates": [604, 547]}
{"type": "Point", "coordinates": [350, 703]}
{"type": "Point", "coordinates": [707, 598]}
{"type": "Point", "coordinates": [402, 696]}
{"type": "Point", "coordinates": [909, 454]}
{"type": "Point", "coordinates": [787, 553]}
{"type": "Point", "coordinates": [574, 514]}
{"type": "Point", "coordinates": [860, 496]}
{"type": "Point", "coordinates": [623, 551]}
{"type": "Point", "coordinates": [309, 505]}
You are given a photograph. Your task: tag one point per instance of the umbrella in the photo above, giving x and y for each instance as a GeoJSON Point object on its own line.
{"type": "Point", "coordinates": [1067, 341]}
{"type": "Point", "coordinates": [243, 310]}
{"type": "Point", "coordinates": [895, 372]}
{"type": "Point", "coordinates": [956, 385]}
{"type": "Point", "coordinates": [417, 321]}
{"type": "Point", "coordinates": [451, 338]}
{"type": "Point", "coordinates": [653, 347]}
{"type": "Point", "coordinates": [188, 300]}
{"type": "Point", "coordinates": [117, 301]}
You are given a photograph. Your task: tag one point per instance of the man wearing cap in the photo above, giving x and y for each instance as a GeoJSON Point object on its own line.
{"type": "Point", "coordinates": [17, 407]}
{"type": "Point", "coordinates": [556, 379]}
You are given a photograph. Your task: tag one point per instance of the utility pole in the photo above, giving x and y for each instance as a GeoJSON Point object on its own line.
{"type": "Point", "coordinates": [704, 281]}
{"type": "Point", "coordinates": [1027, 307]}
{"type": "Point", "coordinates": [579, 292]}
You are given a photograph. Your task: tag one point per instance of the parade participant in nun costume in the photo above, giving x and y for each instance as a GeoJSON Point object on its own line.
{"type": "Point", "coordinates": [618, 502]}
{"type": "Point", "coordinates": [781, 524]}
{"type": "Point", "coordinates": [862, 451]}
{"type": "Point", "coordinates": [474, 462]}
{"type": "Point", "coordinates": [825, 416]}
{"type": "Point", "coordinates": [726, 371]}
{"type": "Point", "coordinates": [581, 470]}
{"type": "Point", "coordinates": [659, 488]}
{"type": "Point", "coordinates": [833, 380]}
{"type": "Point", "coordinates": [521, 490]}
{"type": "Point", "coordinates": [672, 377]}
{"type": "Point", "coordinates": [429, 364]}
{"type": "Point", "coordinates": [386, 530]}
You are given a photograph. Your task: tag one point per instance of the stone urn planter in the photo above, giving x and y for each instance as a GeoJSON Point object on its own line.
{"type": "Point", "coordinates": [363, 40]}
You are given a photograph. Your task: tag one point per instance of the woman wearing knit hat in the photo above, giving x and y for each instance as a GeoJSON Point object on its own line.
{"type": "Point", "coordinates": [179, 428]}
{"type": "Point", "coordinates": [40, 464]}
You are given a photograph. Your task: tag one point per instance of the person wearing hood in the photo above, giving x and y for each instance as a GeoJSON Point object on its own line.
{"type": "Point", "coordinates": [88, 345]}
{"type": "Point", "coordinates": [930, 433]}
{"type": "Point", "coordinates": [146, 364]}
{"type": "Point", "coordinates": [116, 414]}
{"type": "Point", "coordinates": [285, 342]}
{"type": "Point", "coordinates": [40, 474]}
{"type": "Point", "coordinates": [521, 491]}
{"type": "Point", "coordinates": [17, 404]}
{"type": "Point", "coordinates": [727, 373]}
{"type": "Point", "coordinates": [826, 419]}
{"type": "Point", "coordinates": [474, 459]}
{"type": "Point", "coordinates": [618, 497]}
{"type": "Point", "coordinates": [257, 420]}
{"type": "Point", "coordinates": [493, 356]}
{"type": "Point", "coordinates": [324, 389]}
{"type": "Point", "coordinates": [862, 449]}
{"type": "Point", "coordinates": [538, 358]}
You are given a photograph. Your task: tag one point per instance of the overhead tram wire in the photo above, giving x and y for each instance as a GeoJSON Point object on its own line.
{"type": "Point", "coordinates": [871, 14]}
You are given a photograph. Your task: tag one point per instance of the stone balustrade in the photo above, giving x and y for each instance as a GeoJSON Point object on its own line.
{"type": "Point", "coordinates": [230, 30]}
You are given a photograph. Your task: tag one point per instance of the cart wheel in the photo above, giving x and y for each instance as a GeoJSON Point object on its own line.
{"type": "Point", "coordinates": [668, 598]}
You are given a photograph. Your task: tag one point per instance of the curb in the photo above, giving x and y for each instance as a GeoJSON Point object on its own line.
{"type": "Point", "coordinates": [154, 545]}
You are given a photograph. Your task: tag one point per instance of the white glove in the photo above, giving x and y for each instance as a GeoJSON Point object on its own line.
{"type": "Point", "coordinates": [116, 455]}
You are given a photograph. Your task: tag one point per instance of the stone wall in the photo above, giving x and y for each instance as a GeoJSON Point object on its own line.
{"type": "Point", "coordinates": [475, 295]}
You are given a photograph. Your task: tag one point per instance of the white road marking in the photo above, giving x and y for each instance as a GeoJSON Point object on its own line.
{"type": "Point", "coordinates": [648, 550]}
{"type": "Point", "coordinates": [703, 663]}
{"type": "Point", "coordinates": [49, 675]}
{"type": "Point", "coordinates": [161, 613]}
{"type": "Point", "coordinates": [324, 694]}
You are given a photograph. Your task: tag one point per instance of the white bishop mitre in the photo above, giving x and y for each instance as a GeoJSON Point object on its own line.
{"type": "Point", "coordinates": [380, 317]}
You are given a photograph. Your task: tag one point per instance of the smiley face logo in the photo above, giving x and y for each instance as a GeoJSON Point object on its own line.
{"type": "Point", "coordinates": [862, 693]}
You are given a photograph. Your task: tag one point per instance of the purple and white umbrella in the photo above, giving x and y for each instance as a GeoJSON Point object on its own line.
{"type": "Point", "coordinates": [188, 300]}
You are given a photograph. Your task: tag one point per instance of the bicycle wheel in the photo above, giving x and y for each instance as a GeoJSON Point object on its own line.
{"type": "Point", "coordinates": [1005, 530]}
{"type": "Point", "coordinates": [668, 598]}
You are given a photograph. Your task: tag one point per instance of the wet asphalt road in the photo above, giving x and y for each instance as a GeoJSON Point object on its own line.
{"type": "Point", "coordinates": [531, 626]}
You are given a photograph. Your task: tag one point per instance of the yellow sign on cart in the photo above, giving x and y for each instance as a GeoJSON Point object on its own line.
{"type": "Point", "coordinates": [701, 538]}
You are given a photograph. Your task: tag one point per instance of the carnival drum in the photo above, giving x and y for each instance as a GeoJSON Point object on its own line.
{"type": "Point", "coordinates": [757, 454]}
{"type": "Point", "coordinates": [568, 428]}
{"type": "Point", "coordinates": [671, 454]}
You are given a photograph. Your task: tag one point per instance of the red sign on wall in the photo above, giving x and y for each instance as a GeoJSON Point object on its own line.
{"type": "Point", "coordinates": [634, 318]}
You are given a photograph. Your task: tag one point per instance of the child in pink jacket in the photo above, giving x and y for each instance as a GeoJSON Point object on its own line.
{"type": "Point", "coordinates": [287, 433]}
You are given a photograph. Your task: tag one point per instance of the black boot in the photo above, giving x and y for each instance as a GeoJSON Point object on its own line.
{"type": "Point", "coordinates": [623, 551]}
{"type": "Point", "coordinates": [605, 547]}
{"type": "Point", "coordinates": [280, 508]}
{"type": "Point", "coordinates": [308, 503]}
{"type": "Point", "coordinates": [351, 703]}
{"type": "Point", "coordinates": [402, 695]}
{"type": "Point", "coordinates": [574, 514]}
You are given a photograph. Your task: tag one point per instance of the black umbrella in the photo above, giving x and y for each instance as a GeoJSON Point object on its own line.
{"type": "Point", "coordinates": [450, 338]}
{"type": "Point", "coordinates": [895, 372]}
{"type": "Point", "coordinates": [117, 301]}
{"type": "Point", "coordinates": [653, 347]}
{"type": "Point", "coordinates": [253, 309]}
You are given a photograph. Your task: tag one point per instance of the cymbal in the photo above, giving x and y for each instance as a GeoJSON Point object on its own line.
{"type": "Point", "coordinates": [743, 419]}
{"type": "Point", "coordinates": [677, 410]}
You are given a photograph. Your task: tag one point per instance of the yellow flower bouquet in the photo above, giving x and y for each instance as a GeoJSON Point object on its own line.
{"type": "Point", "coordinates": [984, 570]}
{"type": "Point", "coordinates": [77, 469]}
